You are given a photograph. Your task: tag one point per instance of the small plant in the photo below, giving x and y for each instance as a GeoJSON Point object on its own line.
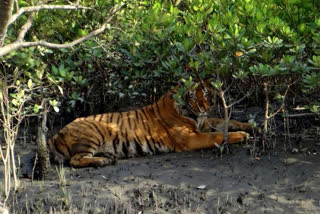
{"type": "Point", "coordinates": [66, 199]}
{"type": "Point", "coordinates": [61, 175]}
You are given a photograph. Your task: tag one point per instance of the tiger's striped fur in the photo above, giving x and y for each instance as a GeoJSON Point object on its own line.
{"type": "Point", "coordinates": [158, 128]}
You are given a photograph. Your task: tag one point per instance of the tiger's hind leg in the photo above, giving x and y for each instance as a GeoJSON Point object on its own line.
{"type": "Point", "coordinates": [87, 160]}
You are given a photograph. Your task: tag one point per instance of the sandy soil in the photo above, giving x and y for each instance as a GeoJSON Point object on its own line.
{"type": "Point", "coordinates": [196, 182]}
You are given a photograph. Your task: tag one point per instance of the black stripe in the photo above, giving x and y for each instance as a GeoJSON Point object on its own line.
{"type": "Point", "coordinates": [149, 145]}
{"type": "Point", "coordinates": [118, 119]}
{"type": "Point", "coordinates": [161, 142]}
{"type": "Point", "coordinates": [137, 115]}
{"type": "Point", "coordinates": [151, 109]}
{"type": "Point", "coordinates": [102, 136]}
{"type": "Point", "coordinates": [110, 118]}
{"type": "Point", "coordinates": [149, 133]}
{"type": "Point", "coordinates": [125, 149]}
{"type": "Point", "coordinates": [55, 143]}
{"type": "Point", "coordinates": [143, 121]}
{"type": "Point", "coordinates": [84, 143]}
{"type": "Point", "coordinates": [157, 108]}
{"type": "Point", "coordinates": [121, 127]}
{"type": "Point", "coordinates": [101, 116]}
{"type": "Point", "coordinates": [144, 111]}
{"type": "Point", "coordinates": [168, 133]}
{"type": "Point", "coordinates": [134, 122]}
{"type": "Point", "coordinates": [126, 136]}
{"type": "Point", "coordinates": [156, 150]}
{"type": "Point", "coordinates": [164, 103]}
{"type": "Point", "coordinates": [139, 148]}
{"type": "Point", "coordinates": [77, 137]}
{"type": "Point", "coordinates": [60, 134]}
{"type": "Point", "coordinates": [161, 119]}
{"type": "Point", "coordinates": [88, 133]}
{"type": "Point", "coordinates": [109, 131]}
{"type": "Point", "coordinates": [157, 147]}
{"type": "Point", "coordinates": [81, 147]}
{"type": "Point", "coordinates": [114, 143]}
{"type": "Point", "coordinates": [164, 126]}
{"type": "Point", "coordinates": [140, 115]}
{"type": "Point", "coordinates": [129, 121]}
{"type": "Point", "coordinates": [69, 150]}
{"type": "Point", "coordinates": [137, 137]}
{"type": "Point", "coordinates": [91, 143]}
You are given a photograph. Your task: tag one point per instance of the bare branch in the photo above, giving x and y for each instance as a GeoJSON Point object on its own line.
{"type": "Point", "coordinates": [20, 44]}
{"type": "Point", "coordinates": [302, 115]}
{"type": "Point", "coordinates": [25, 27]}
{"type": "Point", "coordinates": [238, 101]}
{"type": "Point", "coordinates": [44, 7]}
{"type": "Point", "coordinates": [16, 5]}
{"type": "Point", "coordinates": [229, 86]}
{"type": "Point", "coordinates": [282, 105]}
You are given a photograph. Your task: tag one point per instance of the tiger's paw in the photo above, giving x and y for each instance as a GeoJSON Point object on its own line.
{"type": "Point", "coordinates": [238, 137]}
{"type": "Point", "coordinates": [90, 162]}
{"type": "Point", "coordinates": [101, 162]}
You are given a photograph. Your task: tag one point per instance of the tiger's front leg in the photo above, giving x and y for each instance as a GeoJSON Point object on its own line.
{"type": "Point", "coordinates": [211, 139]}
{"type": "Point", "coordinates": [88, 160]}
{"type": "Point", "coordinates": [217, 124]}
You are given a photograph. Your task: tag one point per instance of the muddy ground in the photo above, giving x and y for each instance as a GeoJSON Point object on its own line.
{"type": "Point", "coordinates": [283, 180]}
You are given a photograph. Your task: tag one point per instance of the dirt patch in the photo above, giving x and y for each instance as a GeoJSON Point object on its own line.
{"type": "Point", "coordinates": [194, 182]}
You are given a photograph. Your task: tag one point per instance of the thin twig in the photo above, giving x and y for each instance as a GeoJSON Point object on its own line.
{"type": "Point", "coordinates": [34, 166]}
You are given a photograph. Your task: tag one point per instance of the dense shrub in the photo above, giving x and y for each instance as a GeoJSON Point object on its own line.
{"type": "Point", "coordinates": [152, 44]}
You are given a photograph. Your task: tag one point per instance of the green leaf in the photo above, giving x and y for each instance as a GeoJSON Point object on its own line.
{"type": "Point", "coordinates": [188, 44]}
{"type": "Point", "coordinates": [180, 47]}
{"type": "Point", "coordinates": [60, 89]}
{"type": "Point", "coordinates": [54, 70]}
{"type": "Point", "coordinates": [36, 108]}
{"type": "Point", "coordinates": [30, 84]}
{"type": "Point", "coordinates": [217, 84]}
{"type": "Point", "coordinates": [62, 72]}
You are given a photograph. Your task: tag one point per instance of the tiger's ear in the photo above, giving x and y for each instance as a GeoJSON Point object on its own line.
{"type": "Point", "coordinates": [208, 85]}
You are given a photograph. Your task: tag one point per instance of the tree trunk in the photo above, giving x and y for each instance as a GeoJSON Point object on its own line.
{"type": "Point", "coordinates": [266, 115]}
{"type": "Point", "coordinates": [43, 163]}
{"type": "Point", "coordinates": [5, 15]}
{"type": "Point", "coordinates": [226, 120]}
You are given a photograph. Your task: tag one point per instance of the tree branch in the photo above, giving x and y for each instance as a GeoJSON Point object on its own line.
{"type": "Point", "coordinates": [25, 27]}
{"type": "Point", "coordinates": [21, 44]}
{"type": "Point", "coordinates": [22, 10]}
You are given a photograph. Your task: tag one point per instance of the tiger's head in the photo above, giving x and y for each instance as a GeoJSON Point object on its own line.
{"type": "Point", "coordinates": [195, 101]}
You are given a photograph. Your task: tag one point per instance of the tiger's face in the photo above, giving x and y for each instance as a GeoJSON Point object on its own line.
{"type": "Point", "coordinates": [198, 101]}
{"type": "Point", "coordinates": [196, 104]}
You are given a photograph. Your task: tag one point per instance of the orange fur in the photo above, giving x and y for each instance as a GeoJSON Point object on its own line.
{"type": "Point", "coordinates": [161, 127]}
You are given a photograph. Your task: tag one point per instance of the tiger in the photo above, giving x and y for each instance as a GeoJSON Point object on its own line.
{"type": "Point", "coordinates": [164, 126]}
